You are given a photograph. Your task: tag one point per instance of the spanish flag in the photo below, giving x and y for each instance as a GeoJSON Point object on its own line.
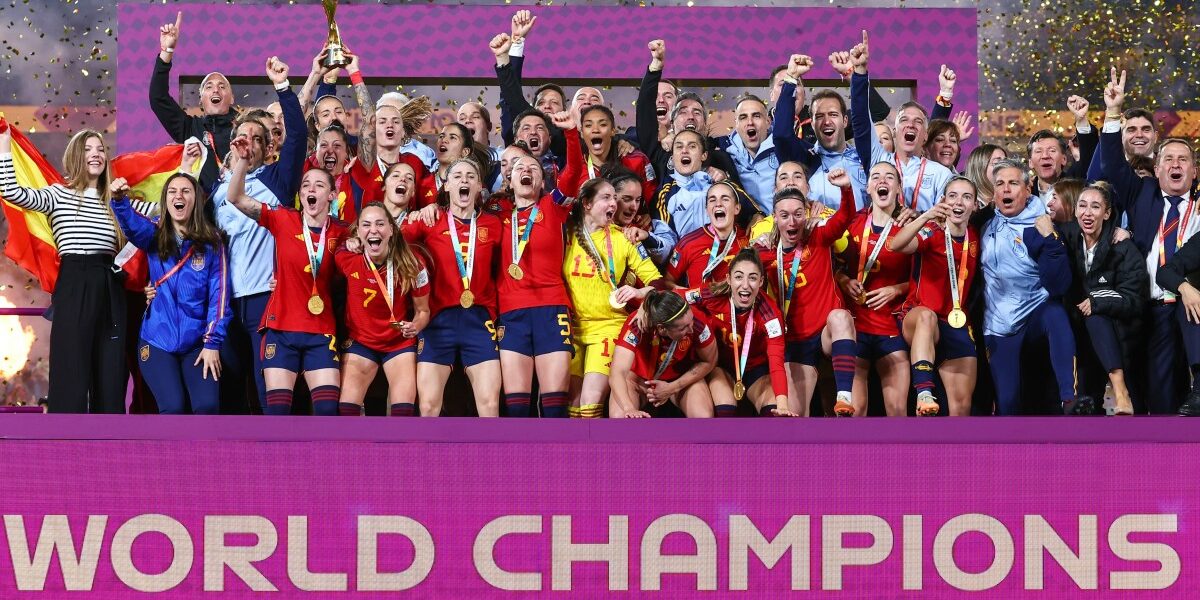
{"type": "Point", "coordinates": [30, 241]}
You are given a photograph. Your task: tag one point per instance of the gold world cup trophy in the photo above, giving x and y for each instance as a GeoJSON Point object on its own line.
{"type": "Point", "coordinates": [335, 56]}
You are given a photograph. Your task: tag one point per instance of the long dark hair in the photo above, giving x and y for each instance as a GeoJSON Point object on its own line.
{"type": "Point", "coordinates": [750, 255]}
{"type": "Point", "coordinates": [399, 252]}
{"type": "Point", "coordinates": [200, 231]}
{"type": "Point", "coordinates": [475, 151]}
{"type": "Point", "coordinates": [660, 308]}
{"type": "Point", "coordinates": [612, 147]}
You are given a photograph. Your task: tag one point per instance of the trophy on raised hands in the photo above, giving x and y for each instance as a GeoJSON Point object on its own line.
{"type": "Point", "coordinates": [335, 57]}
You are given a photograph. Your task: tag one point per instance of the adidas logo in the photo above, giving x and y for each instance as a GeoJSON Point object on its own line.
{"type": "Point", "coordinates": [1103, 280]}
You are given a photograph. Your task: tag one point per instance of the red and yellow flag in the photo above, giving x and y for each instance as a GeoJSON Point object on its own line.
{"type": "Point", "coordinates": [30, 241]}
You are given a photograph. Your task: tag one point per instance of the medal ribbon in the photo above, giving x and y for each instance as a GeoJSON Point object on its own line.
{"type": "Point", "coordinates": [865, 263]}
{"type": "Point", "coordinates": [315, 255]}
{"type": "Point", "coordinates": [518, 247]}
{"type": "Point", "coordinates": [739, 362]}
{"type": "Point", "coordinates": [667, 360]}
{"type": "Point", "coordinates": [715, 258]}
{"type": "Point", "coordinates": [466, 268]}
{"type": "Point", "coordinates": [917, 187]}
{"type": "Point", "coordinates": [959, 279]}
{"type": "Point", "coordinates": [391, 284]}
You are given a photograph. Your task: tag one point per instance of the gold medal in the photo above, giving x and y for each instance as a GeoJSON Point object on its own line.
{"type": "Point", "coordinates": [316, 305]}
{"type": "Point", "coordinates": [957, 318]}
{"type": "Point", "coordinates": [739, 391]}
{"type": "Point", "coordinates": [862, 298]}
{"type": "Point", "coordinates": [514, 271]}
{"type": "Point", "coordinates": [614, 302]}
{"type": "Point", "coordinates": [395, 325]}
{"type": "Point", "coordinates": [466, 299]}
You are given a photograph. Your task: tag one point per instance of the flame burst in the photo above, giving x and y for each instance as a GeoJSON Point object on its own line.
{"type": "Point", "coordinates": [15, 342]}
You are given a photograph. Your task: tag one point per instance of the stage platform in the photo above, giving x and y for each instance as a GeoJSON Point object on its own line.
{"type": "Point", "coordinates": [450, 508]}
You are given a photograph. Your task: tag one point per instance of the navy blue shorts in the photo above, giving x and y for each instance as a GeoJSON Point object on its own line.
{"type": "Point", "coordinates": [954, 342]}
{"type": "Point", "coordinates": [806, 351]}
{"type": "Point", "coordinates": [297, 351]}
{"type": "Point", "coordinates": [535, 331]}
{"type": "Point", "coordinates": [377, 356]}
{"type": "Point", "coordinates": [873, 347]}
{"type": "Point", "coordinates": [457, 331]}
{"type": "Point", "coordinates": [753, 374]}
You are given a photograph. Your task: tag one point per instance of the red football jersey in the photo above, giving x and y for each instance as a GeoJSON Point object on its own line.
{"type": "Point", "coordinates": [816, 294]}
{"type": "Point", "coordinates": [649, 350]}
{"type": "Point", "coordinates": [931, 288]}
{"type": "Point", "coordinates": [447, 286]}
{"type": "Point", "coordinates": [287, 309]}
{"type": "Point", "coordinates": [766, 343]}
{"type": "Point", "coordinates": [890, 268]}
{"type": "Point", "coordinates": [367, 316]}
{"type": "Point", "coordinates": [541, 263]}
{"type": "Point", "coordinates": [370, 182]}
{"type": "Point", "coordinates": [692, 253]}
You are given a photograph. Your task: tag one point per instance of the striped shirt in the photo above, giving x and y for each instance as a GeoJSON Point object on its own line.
{"type": "Point", "coordinates": [81, 223]}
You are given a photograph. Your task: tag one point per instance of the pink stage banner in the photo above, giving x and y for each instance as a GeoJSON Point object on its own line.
{"type": "Point", "coordinates": [595, 511]}
{"type": "Point", "coordinates": [447, 43]}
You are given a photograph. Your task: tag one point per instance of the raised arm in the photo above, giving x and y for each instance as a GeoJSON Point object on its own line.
{"type": "Point", "coordinates": [172, 116]}
{"type": "Point", "coordinates": [139, 229]}
{"type": "Point", "coordinates": [860, 113]}
{"type": "Point", "coordinates": [1116, 170]}
{"type": "Point", "coordinates": [645, 114]}
{"type": "Point", "coordinates": [569, 179]}
{"type": "Point", "coordinates": [942, 105]}
{"type": "Point", "coordinates": [783, 129]}
{"type": "Point", "coordinates": [315, 86]}
{"type": "Point", "coordinates": [237, 181]}
{"type": "Point", "coordinates": [40, 200]}
{"type": "Point", "coordinates": [284, 177]}
{"type": "Point", "coordinates": [1085, 134]}
{"type": "Point", "coordinates": [834, 228]}
{"type": "Point", "coordinates": [366, 109]}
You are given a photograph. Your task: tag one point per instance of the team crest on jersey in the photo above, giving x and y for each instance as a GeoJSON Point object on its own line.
{"type": "Point", "coordinates": [499, 333]}
{"type": "Point", "coordinates": [198, 262]}
{"type": "Point", "coordinates": [482, 235]}
{"type": "Point", "coordinates": [494, 207]}
{"type": "Point", "coordinates": [144, 353]}
{"type": "Point", "coordinates": [774, 329]}
{"type": "Point", "coordinates": [973, 249]}
{"type": "Point", "coordinates": [269, 352]}
{"type": "Point", "coordinates": [805, 254]}
{"type": "Point", "coordinates": [541, 215]}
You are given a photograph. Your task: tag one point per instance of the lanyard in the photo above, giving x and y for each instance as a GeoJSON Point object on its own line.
{"type": "Point", "coordinates": [1185, 217]}
{"type": "Point", "coordinates": [917, 187]}
{"type": "Point", "coordinates": [959, 279]}
{"type": "Point", "coordinates": [714, 257]}
{"type": "Point", "coordinates": [466, 268]}
{"type": "Point", "coordinates": [518, 247]}
{"type": "Point", "coordinates": [865, 263]}
{"type": "Point", "coordinates": [612, 267]}
{"type": "Point", "coordinates": [667, 360]}
{"type": "Point", "coordinates": [740, 361]}
{"type": "Point", "coordinates": [175, 269]}
{"type": "Point", "coordinates": [315, 255]}
{"type": "Point", "coordinates": [391, 284]}
{"type": "Point", "coordinates": [591, 168]}
{"type": "Point", "coordinates": [787, 286]}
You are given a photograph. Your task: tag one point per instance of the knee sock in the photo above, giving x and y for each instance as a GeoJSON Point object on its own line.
{"type": "Point", "coordinates": [279, 402]}
{"type": "Point", "coordinates": [587, 411]}
{"type": "Point", "coordinates": [844, 354]}
{"type": "Point", "coordinates": [727, 410]}
{"type": "Point", "coordinates": [922, 377]}
{"type": "Point", "coordinates": [349, 409]}
{"type": "Point", "coordinates": [554, 405]}
{"type": "Point", "coordinates": [404, 409]}
{"type": "Point", "coordinates": [325, 400]}
{"type": "Point", "coordinates": [517, 404]}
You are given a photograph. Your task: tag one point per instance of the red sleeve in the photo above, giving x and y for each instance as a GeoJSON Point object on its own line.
{"type": "Point", "coordinates": [270, 218]}
{"type": "Point", "coordinates": [925, 237]}
{"type": "Point", "coordinates": [836, 226]}
{"type": "Point", "coordinates": [413, 231]}
{"type": "Point", "coordinates": [422, 286]}
{"type": "Point", "coordinates": [629, 338]}
{"type": "Point", "coordinates": [704, 333]}
{"type": "Point", "coordinates": [569, 178]}
{"type": "Point", "coordinates": [773, 328]}
{"type": "Point", "coordinates": [675, 266]}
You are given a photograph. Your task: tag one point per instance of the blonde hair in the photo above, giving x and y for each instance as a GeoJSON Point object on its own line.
{"type": "Point", "coordinates": [75, 172]}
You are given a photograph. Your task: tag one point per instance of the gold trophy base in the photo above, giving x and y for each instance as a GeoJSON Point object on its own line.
{"type": "Point", "coordinates": [335, 57]}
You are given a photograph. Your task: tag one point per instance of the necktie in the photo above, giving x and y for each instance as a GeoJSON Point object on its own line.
{"type": "Point", "coordinates": [1171, 227]}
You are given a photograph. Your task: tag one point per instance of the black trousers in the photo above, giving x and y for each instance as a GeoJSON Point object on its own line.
{"type": "Point", "coordinates": [87, 338]}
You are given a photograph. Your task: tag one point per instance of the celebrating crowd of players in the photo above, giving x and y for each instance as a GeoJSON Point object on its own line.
{"type": "Point", "coordinates": [584, 271]}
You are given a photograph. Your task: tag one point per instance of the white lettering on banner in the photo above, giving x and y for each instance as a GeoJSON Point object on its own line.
{"type": "Point", "coordinates": [744, 537]}
{"type": "Point", "coordinates": [369, 530]}
{"type": "Point", "coordinates": [485, 559]}
{"type": "Point", "coordinates": [943, 552]}
{"type": "Point", "coordinates": [77, 554]}
{"type": "Point", "coordinates": [1164, 555]}
{"type": "Point", "coordinates": [239, 559]}
{"type": "Point", "coordinates": [78, 570]}
{"type": "Point", "coordinates": [703, 563]}
{"type": "Point", "coordinates": [1040, 536]}
{"type": "Point", "coordinates": [297, 561]}
{"type": "Point", "coordinates": [182, 553]}
{"type": "Point", "coordinates": [834, 555]}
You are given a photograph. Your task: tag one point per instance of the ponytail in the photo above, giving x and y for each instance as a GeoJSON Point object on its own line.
{"type": "Point", "coordinates": [575, 228]}
{"type": "Point", "coordinates": [399, 251]}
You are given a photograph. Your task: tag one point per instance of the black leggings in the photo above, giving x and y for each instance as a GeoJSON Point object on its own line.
{"type": "Point", "coordinates": [87, 337]}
